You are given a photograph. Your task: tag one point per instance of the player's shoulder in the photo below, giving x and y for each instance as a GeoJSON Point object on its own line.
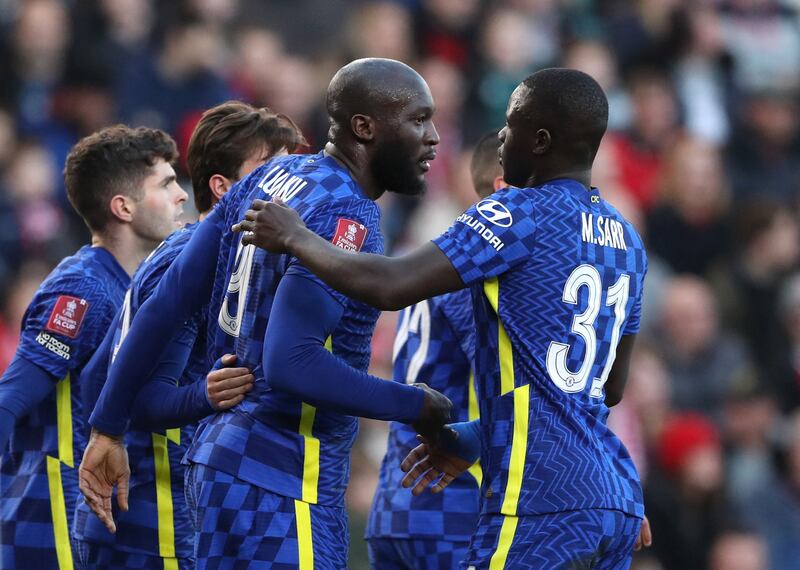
{"type": "Point", "coordinates": [631, 233]}
{"type": "Point", "coordinates": [90, 271]}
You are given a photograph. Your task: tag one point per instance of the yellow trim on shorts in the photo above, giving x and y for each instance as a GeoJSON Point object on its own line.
{"type": "Point", "coordinates": [164, 506]}
{"type": "Point", "coordinates": [473, 413]}
{"type": "Point", "coordinates": [64, 421]}
{"type": "Point", "coordinates": [58, 510]}
{"type": "Point", "coordinates": [498, 561]}
{"type": "Point", "coordinates": [305, 541]}
{"type": "Point", "coordinates": [171, 564]}
{"type": "Point", "coordinates": [506, 355]}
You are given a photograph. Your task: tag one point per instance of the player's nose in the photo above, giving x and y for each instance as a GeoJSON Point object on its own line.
{"type": "Point", "coordinates": [432, 135]}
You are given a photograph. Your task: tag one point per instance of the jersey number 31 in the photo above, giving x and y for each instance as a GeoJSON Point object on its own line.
{"type": "Point", "coordinates": [583, 326]}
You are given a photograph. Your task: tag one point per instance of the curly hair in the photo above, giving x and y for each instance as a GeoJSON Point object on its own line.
{"type": "Point", "coordinates": [113, 160]}
{"type": "Point", "coordinates": [227, 135]}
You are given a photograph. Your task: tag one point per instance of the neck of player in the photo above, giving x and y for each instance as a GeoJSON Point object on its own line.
{"type": "Point", "coordinates": [127, 248]}
{"type": "Point", "coordinates": [354, 159]}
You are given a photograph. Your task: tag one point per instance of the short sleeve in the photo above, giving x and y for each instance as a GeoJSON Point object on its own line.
{"type": "Point", "coordinates": [491, 237]}
{"type": "Point", "coordinates": [65, 323]}
{"type": "Point", "coordinates": [353, 225]}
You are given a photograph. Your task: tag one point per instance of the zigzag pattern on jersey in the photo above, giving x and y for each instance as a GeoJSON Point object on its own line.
{"type": "Point", "coordinates": [38, 479]}
{"type": "Point", "coordinates": [571, 459]}
{"type": "Point", "coordinates": [440, 342]}
{"type": "Point", "coordinates": [575, 539]}
{"type": "Point", "coordinates": [261, 441]}
{"type": "Point", "coordinates": [140, 530]}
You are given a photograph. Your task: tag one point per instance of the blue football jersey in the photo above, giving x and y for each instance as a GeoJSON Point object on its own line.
{"type": "Point", "coordinates": [158, 521]}
{"type": "Point", "coordinates": [272, 439]}
{"type": "Point", "coordinates": [435, 343]}
{"type": "Point", "coordinates": [63, 325]}
{"type": "Point", "coordinates": [556, 275]}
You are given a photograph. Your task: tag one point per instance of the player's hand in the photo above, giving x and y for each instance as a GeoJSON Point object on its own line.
{"type": "Point", "coordinates": [270, 226]}
{"type": "Point", "coordinates": [435, 413]}
{"type": "Point", "coordinates": [227, 386]}
{"type": "Point", "coordinates": [104, 465]}
{"type": "Point", "coordinates": [427, 464]}
{"type": "Point", "coordinates": [645, 538]}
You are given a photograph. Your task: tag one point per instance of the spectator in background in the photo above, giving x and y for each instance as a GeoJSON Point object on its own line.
{"type": "Point", "coordinates": [40, 219]}
{"type": "Point", "coordinates": [257, 54]}
{"type": "Point", "coordinates": [703, 361]}
{"type": "Point", "coordinates": [685, 500]}
{"type": "Point", "coordinates": [783, 369]}
{"type": "Point", "coordinates": [689, 228]}
{"type": "Point", "coordinates": [773, 509]}
{"type": "Point", "coordinates": [595, 59]}
{"type": "Point", "coordinates": [768, 239]}
{"type": "Point", "coordinates": [702, 76]}
{"type": "Point", "coordinates": [763, 159]}
{"type": "Point", "coordinates": [506, 56]}
{"type": "Point", "coordinates": [645, 32]}
{"type": "Point", "coordinates": [17, 296]}
{"type": "Point", "coordinates": [750, 419]}
{"type": "Point", "coordinates": [654, 128]}
{"type": "Point", "coordinates": [183, 78]}
{"type": "Point", "coordinates": [382, 29]}
{"type": "Point", "coordinates": [33, 62]}
{"type": "Point", "coordinates": [447, 29]}
{"type": "Point", "coordinates": [740, 550]}
{"type": "Point", "coordinates": [762, 37]}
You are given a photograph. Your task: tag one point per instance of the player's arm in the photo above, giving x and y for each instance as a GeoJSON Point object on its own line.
{"type": "Point", "coordinates": [22, 387]}
{"type": "Point", "coordinates": [296, 361]}
{"type": "Point", "coordinates": [183, 290]}
{"type": "Point", "coordinates": [387, 283]}
{"type": "Point", "coordinates": [163, 404]}
{"type": "Point", "coordinates": [95, 372]}
{"type": "Point", "coordinates": [618, 376]}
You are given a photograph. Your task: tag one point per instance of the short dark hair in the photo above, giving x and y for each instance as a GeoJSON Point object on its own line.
{"type": "Point", "coordinates": [573, 102]}
{"type": "Point", "coordinates": [485, 164]}
{"type": "Point", "coordinates": [226, 135]}
{"type": "Point", "coordinates": [113, 160]}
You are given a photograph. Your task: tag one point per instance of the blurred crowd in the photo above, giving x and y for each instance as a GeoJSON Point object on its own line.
{"type": "Point", "coordinates": [703, 156]}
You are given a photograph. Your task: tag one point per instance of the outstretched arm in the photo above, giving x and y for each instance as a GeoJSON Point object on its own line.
{"type": "Point", "coordinates": [183, 290]}
{"type": "Point", "coordinates": [387, 283]}
{"type": "Point", "coordinates": [296, 361]}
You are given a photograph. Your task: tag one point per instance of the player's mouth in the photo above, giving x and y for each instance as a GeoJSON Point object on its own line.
{"type": "Point", "coordinates": [425, 162]}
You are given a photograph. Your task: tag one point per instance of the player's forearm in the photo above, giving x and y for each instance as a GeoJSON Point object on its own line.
{"type": "Point", "coordinates": [386, 283]}
{"type": "Point", "coordinates": [315, 376]}
{"type": "Point", "coordinates": [183, 290]}
{"type": "Point", "coordinates": [366, 277]}
{"type": "Point", "coordinates": [161, 406]}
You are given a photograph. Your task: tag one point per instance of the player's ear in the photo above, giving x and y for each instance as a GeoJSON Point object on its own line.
{"type": "Point", "coordinates": [219, 184]}
{"type": "Point", "coordinates": [542, 141]}
{"type": "Point", "coordinates": [499, 183]}
{"type": "Point", "coordinates": [122, 208]}
{"type": "Point", "coordinates": [363, 127]}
